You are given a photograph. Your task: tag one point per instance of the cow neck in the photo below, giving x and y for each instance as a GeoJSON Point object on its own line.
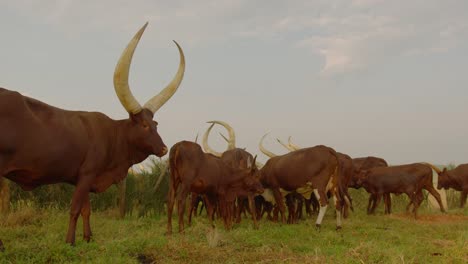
{"type": "Point", "coordinates": [123, 145]}
{"type": "Point", "coordinates": [235, 174]}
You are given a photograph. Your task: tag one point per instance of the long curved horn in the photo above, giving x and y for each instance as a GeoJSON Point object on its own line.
{"type": "Point", "coordinates": [196, 138]}
{"type": "Point", "coordinates": [160, 99]}
{"type": "Point", "coordinates": [264, 150]}
{"type": "Point", "coordinates": [288, 147]}
{"type": "Point", "coordinates": [122, 68]}
{"type": "Point", "coordinates": [205, 145]}
{"type": "Point", "coordinates": [232, 135]}
{"type": "Point", "coordinates": [292, 145]}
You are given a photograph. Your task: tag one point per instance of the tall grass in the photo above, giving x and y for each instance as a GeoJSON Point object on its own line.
{"type": "Point", "coordinates": [142, 197]}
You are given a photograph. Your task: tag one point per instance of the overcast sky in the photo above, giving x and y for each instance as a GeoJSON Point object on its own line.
{"type": "Point", "coordinates": [366, 77]}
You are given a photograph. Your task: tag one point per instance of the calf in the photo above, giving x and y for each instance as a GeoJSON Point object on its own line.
{"type": "Point", "coordinates": [409, 179]}
{"type": "Point", "coordinates": [365, 163]}
{"type": "Point", "coordinates": [194, 171]}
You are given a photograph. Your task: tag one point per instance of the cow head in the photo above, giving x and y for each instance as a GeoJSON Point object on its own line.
{"type": "Point", "coordinates": [361, 178]}
{"type": "Point", "coordinates": [142, 133]}
{"type": "Point", "coordinates": [444, 180]}
{"type": "Point", "coordinates": [250, 180]}
{"type": "Point", "coordinates": [354, 179]}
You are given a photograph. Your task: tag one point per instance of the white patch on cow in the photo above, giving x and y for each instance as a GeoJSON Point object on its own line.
{"type": "Point", "coordinates": [338, 212]}
{"type": "Point", "coordinates": [329, 184]}
{"type": "Point", "coordinates": [268, 196]}
{"type": "Point", "coordinates": [322, 210]}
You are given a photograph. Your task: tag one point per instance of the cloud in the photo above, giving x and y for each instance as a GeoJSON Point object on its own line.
{"type": "Point", "coordinates": [349, 35]}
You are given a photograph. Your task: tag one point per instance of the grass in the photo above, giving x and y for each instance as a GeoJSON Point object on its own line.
{"type": "Point", "coordinates": [36, 235]}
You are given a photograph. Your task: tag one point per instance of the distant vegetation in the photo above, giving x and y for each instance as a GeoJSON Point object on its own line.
{"type": "Point", "coordinates": [142, 197]}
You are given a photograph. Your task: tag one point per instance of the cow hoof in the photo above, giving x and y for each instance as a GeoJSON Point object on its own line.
{"type": "Point", "coordinates": [317, 227]}
{"type": "Point", "coordinates": [338, 228]}
{"type": "Point", "coordinates": [87, 239]}
{"type": "Point", "coordinates": [2, 247]}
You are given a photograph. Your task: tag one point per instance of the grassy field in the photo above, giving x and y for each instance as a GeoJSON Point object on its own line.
{"type": "Point", "coordinates": [35, 235]}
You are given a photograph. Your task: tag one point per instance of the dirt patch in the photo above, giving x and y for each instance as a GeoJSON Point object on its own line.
{"type": "Point", "coordinates": [433, 219]}
{"type": "Point", "coordinates": [145, 259]}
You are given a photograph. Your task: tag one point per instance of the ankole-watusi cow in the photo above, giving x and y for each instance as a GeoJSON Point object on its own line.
{"type": "Point", "coordinates": [317, 168]}
{"type": "Point", "coordinates": [365, 163]}
{"type": "Point", "coordinates": [236, 158]}
{"type": "Point", "coordinates": [201, 173]}
{"type": "Point", "coordinates": [347, 170]}
{"type": "Point", "coordinates": [456, 179]}
{"type": "Point", "coordinates": [41, 144]}
{"type": "Point", "coordinates": [410, 179]}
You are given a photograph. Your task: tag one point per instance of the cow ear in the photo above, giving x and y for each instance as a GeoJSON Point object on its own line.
{"type": "Point", "coordinates": [253, 164]}
{"type": "Point", "coordinates": [444, 170]}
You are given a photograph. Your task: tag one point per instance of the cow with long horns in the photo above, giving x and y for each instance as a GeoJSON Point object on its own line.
{"type": "Point", "coordinates": [45, 145]}
{"type": "Point", "coordinates": [347, 170]}
{"type": "Point", "coordinates": [317, 168]}
{"type": "Point", "coordinates": [196, 172]}
{"type": "Point", "coordinates": [236, 158]}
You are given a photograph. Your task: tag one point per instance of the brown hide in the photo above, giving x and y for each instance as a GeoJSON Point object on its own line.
{"type": "Point", "coordinates": [194, 171]}
{"type": "Point", "coordinates": [456, 179]}
{"type": "Point", "coordinates": [409, 179]}
{"type": "Point", "coordinates": [308, 166]}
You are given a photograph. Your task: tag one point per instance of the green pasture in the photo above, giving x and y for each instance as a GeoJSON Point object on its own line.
{"type": "Point", "coordinates": [34, 232]}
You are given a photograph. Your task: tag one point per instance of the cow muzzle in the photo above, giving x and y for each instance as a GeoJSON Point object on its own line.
{"type": "Point", "coordinates": [162, 152]}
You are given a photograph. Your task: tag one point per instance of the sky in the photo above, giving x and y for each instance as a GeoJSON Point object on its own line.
{"type": "Point", "coordinates": [366, 77]}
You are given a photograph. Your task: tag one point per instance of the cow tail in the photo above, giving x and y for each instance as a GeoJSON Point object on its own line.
{"type": "Point", "coordinates": [432, 166]}
{"type": "Point", "coordinates": [173, 161]}
{"type": "Point", "coordinates": [342, 193]}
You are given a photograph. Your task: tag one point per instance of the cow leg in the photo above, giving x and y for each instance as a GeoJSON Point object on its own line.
{"type": "Point", "coordinates": [414, 201]}
{"type": "Point", "coordinates": [170, 206]}
{"type": "Point", "coordinates": [280, 203]}
{"type": "Point", "coordinates": [387, 203]}
{"type": "Point", "coordinates": [82, 189]}
{"type": "Point", "coordinates": [370, 204]}
{"type": "Point", "coordinates": [85, 213]}
{"type": "Point", "coordinates": [338, 212]}
{"type": "Point", "coordinates": [253, 210]}
{"type": "Point", "coordinates": [291, 207]}
{"type": "Point", "coordinates": [181, 199]}
{"type": "Point", "coordinates": [300, 203]}
{"type": "Point", "coordinates": [322, 198]}
{"type": "Point", "coordinates": [436, 195]}
{"type": "Point", "coordinates": [308, 207]}
{"type": "Point", "coordinates": [192, 207]}
{"type": "Point", "coordinates": [464, 194]}
{"type": "Point", "coordinates": [210, 204]}
{"type": "Point", "coordinates": [376, 198]}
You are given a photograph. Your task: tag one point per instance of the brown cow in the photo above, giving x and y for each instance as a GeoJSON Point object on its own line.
{"type": "Point", "coordinates": [365, 163]}
{"type": "Point", "coordinates": [41, 144]}
{"type": "Point", "coordinates": [347, 170]}
{"type": "Point", "coordinates": [194, 171]}
{"type": "Point", "coordinates": [456, 179]}
{"type": "Point", "coordinates": [409, 179]}
{"type": "Point", "coordinates": [236, 158]}
{"type": "Point", "coordinates": [315, 167]}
